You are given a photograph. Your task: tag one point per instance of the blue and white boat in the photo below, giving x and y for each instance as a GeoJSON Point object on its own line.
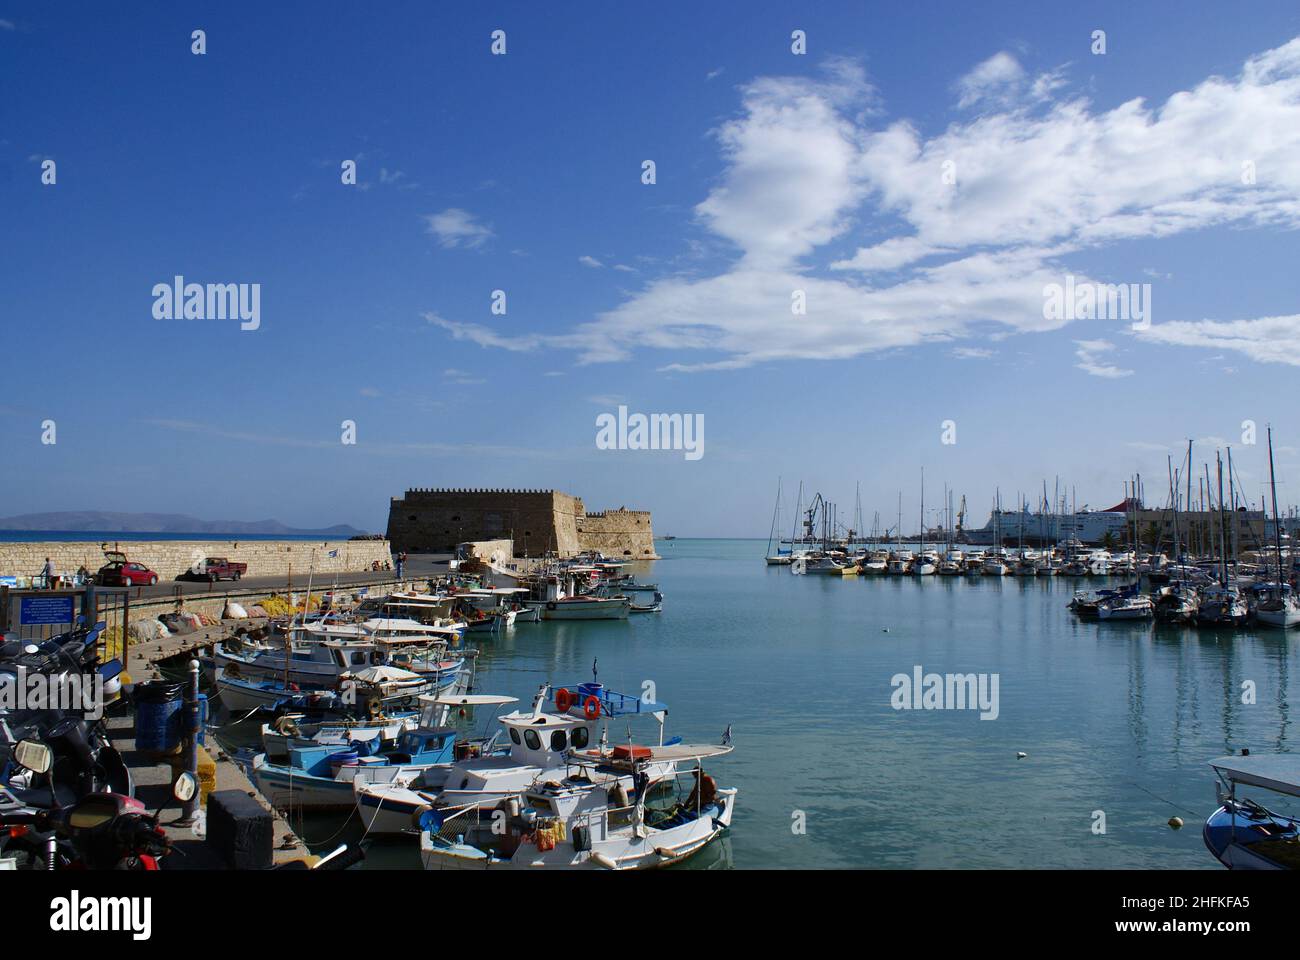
{"type": "Point", "coordinates": [578, 823]}
{"type": "Point", "coordinates": [373, 685]}
{"type": "Point", "coordinates": [1243, 834]}
{"type": "Point", "coordinates": [321, 776]}
{"type": "Point", "coordinates": [544, 745]}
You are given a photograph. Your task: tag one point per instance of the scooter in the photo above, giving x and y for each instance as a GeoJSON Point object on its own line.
{"type": "Point", "coordinates": [99, 831]}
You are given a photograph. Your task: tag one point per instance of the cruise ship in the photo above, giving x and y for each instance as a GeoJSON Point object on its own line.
{"type": "Point", "coordinates": [1086, 526]}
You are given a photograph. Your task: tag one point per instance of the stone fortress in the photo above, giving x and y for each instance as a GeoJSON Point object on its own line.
{"type": "Point", "coordinates": [538, 521]}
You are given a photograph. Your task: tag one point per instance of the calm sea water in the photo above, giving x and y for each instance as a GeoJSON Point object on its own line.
{"type": "Point", "coordinates": [1119, 718]}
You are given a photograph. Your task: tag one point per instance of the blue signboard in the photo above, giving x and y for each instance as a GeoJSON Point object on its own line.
{"type": "Point", "coordinates": [39, 610]}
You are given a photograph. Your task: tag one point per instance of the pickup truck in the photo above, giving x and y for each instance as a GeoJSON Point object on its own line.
{"type": "Point", "coordinates": [213, 569]}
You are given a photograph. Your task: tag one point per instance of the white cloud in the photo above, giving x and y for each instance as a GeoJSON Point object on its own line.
{"type": "Point", "coordinates": [807, 164]}
{"type": "Point", "coordinates": [971, 353]}
{"type": "Point", "coordinates": [590, 262]}
{"type": "Point", "coordinates": [8, 25]}
{"type": "Point", "coordinates": [1265, 339]}
{"type": "Point", "coordinates": [1089, 353]}
{"type": "Point", "coordinates": [992, 79]}
{"type": "Point", "coordinates": [458, 228]}
{"type": "Point", "coordinates": [482, 335]}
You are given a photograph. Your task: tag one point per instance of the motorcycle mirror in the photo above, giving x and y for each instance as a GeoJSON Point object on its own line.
{"type": "Point", "coordinates": [34, 756]}
{"type": "Point", "coordinates": [185, 787]}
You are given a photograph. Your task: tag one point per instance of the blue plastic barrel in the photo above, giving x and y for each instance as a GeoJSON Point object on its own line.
{"type": "Point", "coordinates": [586, 690]}
{"type": "Point", "coordinates": [156, 703]}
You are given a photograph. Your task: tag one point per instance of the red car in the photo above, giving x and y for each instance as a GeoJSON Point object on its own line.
{"type": "Point", "coordinates": [120, 572]}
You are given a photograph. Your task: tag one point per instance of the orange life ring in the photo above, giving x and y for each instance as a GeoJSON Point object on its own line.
{"type": "Point", "coordinates": [591, 707]}
{"type": "Point", "coordinates": [563, 700]}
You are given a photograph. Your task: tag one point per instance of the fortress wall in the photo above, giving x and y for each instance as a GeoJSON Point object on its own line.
{"type": "Point", "coordinates": [538, 521]}
{"type": "Point", "coordinates": [169, 558]}
{"type": "Point", "coordinates": [618, 533]}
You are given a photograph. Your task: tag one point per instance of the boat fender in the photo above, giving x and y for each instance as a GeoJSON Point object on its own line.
{"type": "Point", "coordinates": [417, 816]}
{"type": "Point", "coordinates": [591, 707]}
{"type": "Point", "coordinates": [604, 861]}
{"type": "Point", "coordinates": [563, 700]}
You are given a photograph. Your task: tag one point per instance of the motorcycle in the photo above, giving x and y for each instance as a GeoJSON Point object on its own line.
{"type": "Point", "coordinates": [98, 831]}
{"type": "Point", "coordinates": [86, 761]}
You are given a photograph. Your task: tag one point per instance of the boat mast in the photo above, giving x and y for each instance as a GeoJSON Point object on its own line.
{"type": "Point", "coordinates": [1223, 544]}
{"type": "Point", "coordinates": [1277, 523]}
{"type": "Point", "coordinates": [776, 521]}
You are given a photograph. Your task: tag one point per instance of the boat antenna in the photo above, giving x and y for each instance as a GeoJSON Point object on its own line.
{"type": "Point", "coordinates": [593, 669]}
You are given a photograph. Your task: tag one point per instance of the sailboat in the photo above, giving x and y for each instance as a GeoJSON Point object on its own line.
{"type": "Point", "coordinates": [1279, 606]}
{"type": "Point", "coordinates": [779, 557]}
{"type": "Point", "coordinates": [925, 563]}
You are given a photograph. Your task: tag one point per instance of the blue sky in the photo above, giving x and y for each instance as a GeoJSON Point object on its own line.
{"type": "Point", "coordinates": [480, 172]}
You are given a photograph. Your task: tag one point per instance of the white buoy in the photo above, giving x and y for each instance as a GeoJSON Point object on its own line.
{"type": "Point", "coordinates": [1020, 755]}
{"type": "Point", "coordinates": [1176, 822]}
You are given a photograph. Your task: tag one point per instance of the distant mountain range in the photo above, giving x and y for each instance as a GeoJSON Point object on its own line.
{"type": "Point", "coordinates": [102, 521]}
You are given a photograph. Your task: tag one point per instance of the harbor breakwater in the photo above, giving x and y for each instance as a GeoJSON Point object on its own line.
{"type": "Point", "coordinates": [170, 558]}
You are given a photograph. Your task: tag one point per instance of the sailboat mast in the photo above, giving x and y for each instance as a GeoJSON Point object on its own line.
{"type": "Point", "coordinates": [1277, 522]}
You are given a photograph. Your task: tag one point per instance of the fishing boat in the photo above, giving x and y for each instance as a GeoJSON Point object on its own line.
{"type": "Point", "coordinates": [575, 823]}
{"type": "Point", "coordinates": [322, 776]}
{"type": "Point", "coordinates": [656, 605]}
{"type": "Point", "coordinates": [1243, 834]}
{"type": "Point", "coordinates": [372, 686]}
{"type": "Point", "coordinates": [539, 744]}
{"type": "Point", "coordinates": [586, 608]}
{"type": "Point", "coordinates": [297, 730]}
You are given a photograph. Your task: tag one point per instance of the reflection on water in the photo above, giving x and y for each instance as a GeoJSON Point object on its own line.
{"type": "Point", "coordinates": [1117, 717]}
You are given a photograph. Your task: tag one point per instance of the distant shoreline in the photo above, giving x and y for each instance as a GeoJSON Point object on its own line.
{"type": "Point", "coordinates": [136, 536]}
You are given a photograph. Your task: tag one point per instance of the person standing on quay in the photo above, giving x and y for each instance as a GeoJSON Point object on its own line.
{"type": "Point", "coordinates": [401, 562]}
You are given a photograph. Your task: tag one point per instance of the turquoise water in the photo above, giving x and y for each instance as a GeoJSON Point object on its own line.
{"type": "Point", "coordinates": [1119, 718]}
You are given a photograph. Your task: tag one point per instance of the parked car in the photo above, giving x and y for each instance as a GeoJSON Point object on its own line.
{"type": "Point", "coordinates": [121, 572]}
{"type": "Point", "coordinates": [213, 569]}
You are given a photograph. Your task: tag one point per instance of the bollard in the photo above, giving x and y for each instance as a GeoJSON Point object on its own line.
{"type": "Point", "coordinates": [191, 806]}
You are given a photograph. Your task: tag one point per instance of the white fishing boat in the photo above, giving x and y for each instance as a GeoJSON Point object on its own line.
{"type": "Point", "coordinates": [573, 823]}
{"type": "Point", "coordinates": [586, 608]}
{"type": "Point", "coordinates": [295, 730]}
{"type": "Point", "coordinates": [540, 743]}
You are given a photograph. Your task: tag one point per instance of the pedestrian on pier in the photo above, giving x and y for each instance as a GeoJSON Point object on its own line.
{"type": "Point", "coordinates": [401, 562]}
